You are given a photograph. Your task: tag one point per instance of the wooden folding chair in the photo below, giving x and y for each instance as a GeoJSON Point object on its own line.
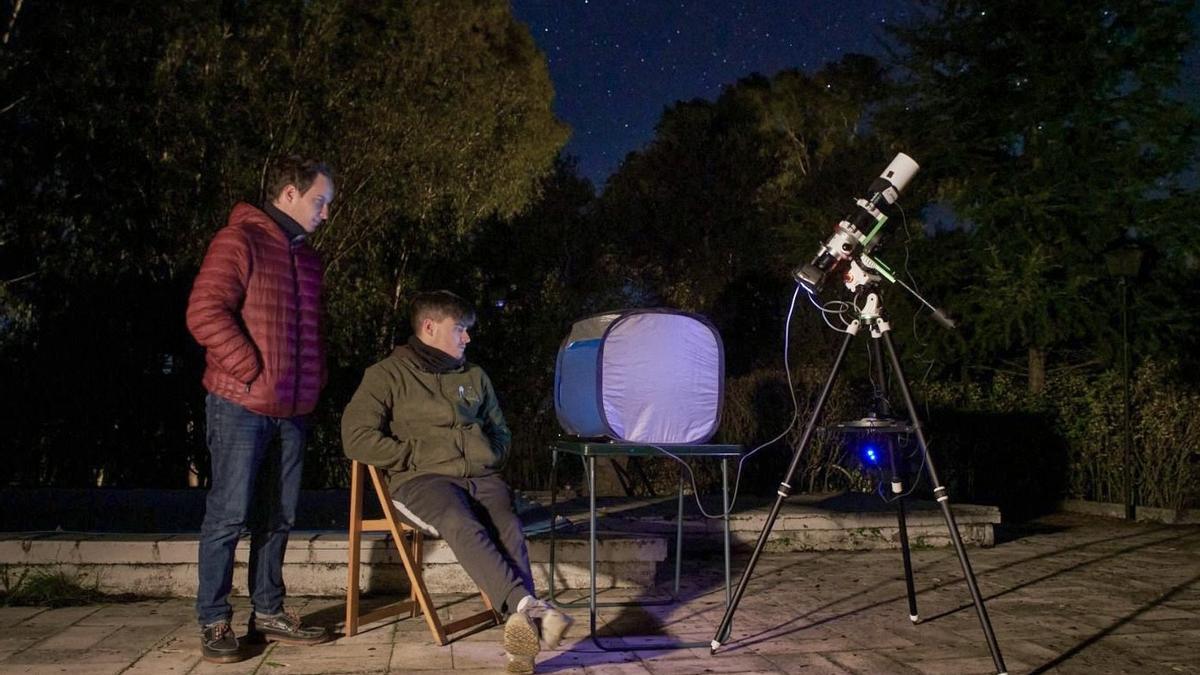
{"type": "Point", "coordinates": [410, 555]}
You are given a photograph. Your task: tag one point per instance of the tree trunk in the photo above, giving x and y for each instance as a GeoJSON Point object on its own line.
{"type": "Point", "coordinates": [1037, 370]}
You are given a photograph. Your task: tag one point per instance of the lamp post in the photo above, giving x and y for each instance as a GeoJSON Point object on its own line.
{"type": "Point", "coordinates": [1125, 262]}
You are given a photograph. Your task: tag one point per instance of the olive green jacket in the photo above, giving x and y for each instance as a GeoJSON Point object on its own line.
{"type": "Point", "coordinates": [409, 421]}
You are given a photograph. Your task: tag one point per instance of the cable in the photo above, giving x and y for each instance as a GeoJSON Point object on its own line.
{"type": "Point", "coordinates": [787, 368]}
{"type": "Point", "coordinates": [841, 307]}
{"type": "Point", "coordinates": [916, 482]}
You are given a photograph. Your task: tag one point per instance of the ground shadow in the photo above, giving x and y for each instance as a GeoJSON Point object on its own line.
{"type": "Point", "coordinates": [1093, 639]}
{"type": "Point", "coordinates": [790, 627]}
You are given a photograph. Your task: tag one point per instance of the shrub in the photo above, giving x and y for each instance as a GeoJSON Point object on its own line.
{"type": "Point", "coordinates": [46, 588]}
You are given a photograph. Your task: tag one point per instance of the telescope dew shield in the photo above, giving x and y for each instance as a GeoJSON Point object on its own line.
{"type": "Point", "coordinates": [894, 179]}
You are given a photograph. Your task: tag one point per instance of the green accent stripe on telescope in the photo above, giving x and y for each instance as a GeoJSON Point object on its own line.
{"type": "Point", "coordinates": [875, 230]}
{"type": "Point", "coordinates": [882, 269]}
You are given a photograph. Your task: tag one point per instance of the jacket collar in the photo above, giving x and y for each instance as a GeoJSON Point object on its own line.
{"type": "Point", "coordinates": [291, 229]}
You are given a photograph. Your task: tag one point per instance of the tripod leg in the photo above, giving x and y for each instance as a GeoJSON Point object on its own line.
{"type": "Point", "coordinates": [939, 492]}
{"type": "Point", "coordinates": [907, 557]}
{"type": "Point", "coordinates": [783, 491]}
{"type": "Point", "coordinates": [883, 408]}
{"type": "Point", "coordinates": [898, 490]}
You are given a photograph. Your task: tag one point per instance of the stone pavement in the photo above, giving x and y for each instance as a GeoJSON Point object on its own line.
{"type": "Point", "coordinates": [1066, 594]}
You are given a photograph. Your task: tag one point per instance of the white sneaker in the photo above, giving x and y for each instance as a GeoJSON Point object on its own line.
{"type": "Point", "coordinates": [520, 643]}
{"type": "Point", "coordinates": [554, 622]}
{"type": "Point", "coordinates": [554, 626]}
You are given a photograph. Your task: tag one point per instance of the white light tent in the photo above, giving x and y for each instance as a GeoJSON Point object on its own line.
{"type": "Point", "coordinates": [641, 376]}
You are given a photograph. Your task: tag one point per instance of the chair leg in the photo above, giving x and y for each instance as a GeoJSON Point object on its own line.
{"type": "Point", "coordinates": [354, 546]}
{"type": "Point", "coordinates": [418, 555]}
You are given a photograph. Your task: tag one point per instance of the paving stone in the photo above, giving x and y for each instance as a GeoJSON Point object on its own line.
{"type": "Point", "coordinates": [63, 616]}
{"type": "Point", "coordinates": [17, 638]}
{"type": "Point", "coordinates": [804, 664]}
{"type": "Point", "coordinates": [962, 666]}
{"type": "Point", "coordinates": [421, 656]}
{"type": "Point", "coordinates": [380, 632]}
{"type": "Point", "coordinates": [633, 667]}
{"type": "Point", "coordinates": [246, 667]}
{"type": "Point", "coordinates": [71, 667]}
{"type": "Point", "coordinates": [137, 614]}
{"type": "Point", "coordinates": [871, 662]}
{"type": "Point", "coordinates": [467, 655]}
{"type": "Point", "coordinates": [11, 616]}
{"type": "Point", "coordinates": [327, 658]}
{"type": "Point", "coordinates": [176, 653]}
{"type": "Point", "coordinates": [76, 638]}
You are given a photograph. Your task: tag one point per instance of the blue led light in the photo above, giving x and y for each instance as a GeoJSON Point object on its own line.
{"type": "Point", "coordinates": [871, 454]}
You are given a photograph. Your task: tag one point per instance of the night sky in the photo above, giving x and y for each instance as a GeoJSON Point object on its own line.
{"type": "Point", "coordinates": [617, 63]}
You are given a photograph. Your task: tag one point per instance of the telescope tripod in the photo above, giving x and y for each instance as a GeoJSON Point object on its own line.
{"type": "Point", "coordinates": [870, 317]}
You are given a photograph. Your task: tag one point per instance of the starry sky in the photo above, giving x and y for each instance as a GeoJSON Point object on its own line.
{"type": "Point", "coordinates": [616, 64]}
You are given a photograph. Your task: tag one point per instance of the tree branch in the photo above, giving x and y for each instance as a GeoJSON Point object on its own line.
{"type": "Point", "coordinates": [12, 21]}
{"type": "Point", "coordinates": [12, 105]}
{"type": "Point", "coordinates": [23, 277]}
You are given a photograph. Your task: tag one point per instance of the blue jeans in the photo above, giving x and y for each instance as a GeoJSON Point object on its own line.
{"type": "Point", "coordinates": [255, 486]}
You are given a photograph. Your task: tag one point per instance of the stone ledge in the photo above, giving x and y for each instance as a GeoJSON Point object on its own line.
{"type": "Point", "coordinates": [839, 523]}
{"type": "Point", "coordinates": [1142, 514]}
{"type": "Point", "coordinates": [315, 563]}
{"type": "Point", "coordinates": [165, 564]}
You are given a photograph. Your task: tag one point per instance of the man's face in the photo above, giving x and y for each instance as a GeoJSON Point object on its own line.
{"type": "Point", "coordinates": [309, 208]}
{"type": "Point", "coordinates": [446, 334]}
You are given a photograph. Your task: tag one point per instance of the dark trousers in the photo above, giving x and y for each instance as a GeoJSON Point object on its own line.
{"type": "Point", "coordinates": [475, 516]}
{"type": "Point", "coordinates": [255, 485]}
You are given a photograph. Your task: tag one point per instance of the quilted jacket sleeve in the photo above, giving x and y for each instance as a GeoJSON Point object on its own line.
{"type": "Point", "coordinates": [493, 421]}
{"type": "Point", "coordinates": [365, 435]}
{"type": "Point", "coordinates": [217, 295]}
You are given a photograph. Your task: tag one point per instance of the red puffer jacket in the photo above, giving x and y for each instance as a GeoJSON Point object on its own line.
{"type": "Point", "coordinates": [255, 308]}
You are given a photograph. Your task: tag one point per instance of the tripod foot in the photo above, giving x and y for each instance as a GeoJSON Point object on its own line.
{"type": "Point", "coordinates": [713, 647]}
{"type": "Point", "coordinates": [914, 618]}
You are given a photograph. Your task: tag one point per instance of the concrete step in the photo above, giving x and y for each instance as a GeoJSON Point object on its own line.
{"type": "Point", "coordinates": [831, 522]}
{"type": "Point", "coordinates": [315, 563]}
{"type": "Point", "coordinates": [636, 535]}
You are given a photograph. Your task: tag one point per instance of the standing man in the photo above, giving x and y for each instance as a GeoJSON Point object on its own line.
{"type": "Point", "coordinates": [431, 419]}
{"type": "Point", "coordinates": [255, 308]}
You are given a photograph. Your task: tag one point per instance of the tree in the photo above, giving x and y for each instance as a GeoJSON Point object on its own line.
{"type": "Point", "coordinates": [1051, 131]}
{"type": "Point", "coordinates": [130, 129]}
{"type": "Point", "coordinates": [731, 195]}
{"type": "Point", "coordinates": [533, 276]}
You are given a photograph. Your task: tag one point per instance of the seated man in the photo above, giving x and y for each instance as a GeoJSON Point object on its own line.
{"type": "Point", "coordinates": [432, 421]}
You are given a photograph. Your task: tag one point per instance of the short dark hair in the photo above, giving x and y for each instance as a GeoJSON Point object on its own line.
{"type": "Point", "coordinates": [438, 305]}
{"type": "Point", "coordinates": [294, 170]}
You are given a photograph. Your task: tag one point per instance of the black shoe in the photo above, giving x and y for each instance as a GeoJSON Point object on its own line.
{"type": "Point", "coordinates": [218, 644]}
{"type": "Point", "coordinates": [285, 627]}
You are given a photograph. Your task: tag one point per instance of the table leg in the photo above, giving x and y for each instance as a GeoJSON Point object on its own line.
{"type": "Point", "coordinates": [725, 512]}
{"type": "Point", "coordinates": [678, 536]}
{"type": "Point", "coordinates": [725, 519]}
{"type": "Point", "coordinates": [591, 465]}
{"type": "Point", "coordinates": [553, 516]}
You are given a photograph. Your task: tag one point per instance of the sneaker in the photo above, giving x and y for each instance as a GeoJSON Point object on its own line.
{"type": "Point", "coordinates": [520, 643]}
{"type": "Point", "coordinates": [218, 644]}
{"type": "Point", "coordinates": [554, 626]}
{"type": "Point", "coordinates": [284, 627]}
